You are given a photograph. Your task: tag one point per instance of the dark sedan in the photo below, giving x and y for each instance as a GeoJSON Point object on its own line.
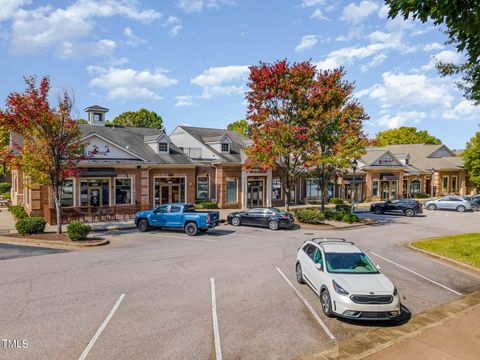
{"type": "Point", "coordinates": [272, 218]}
{"type": "Point", "coordinates": [475, 200]}
{"type": "Point", "coordinates": [407, 207]}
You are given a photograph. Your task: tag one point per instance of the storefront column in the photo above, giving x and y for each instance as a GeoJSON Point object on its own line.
{"type": "Point", "coordinates": [145, 189]}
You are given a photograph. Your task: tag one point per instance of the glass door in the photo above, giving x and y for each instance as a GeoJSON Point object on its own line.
{"type": "Point", "coordinates": [95, 196]}
{"type": "Point", "coordinates": [385, 190]}
{"type": "Point", "coordinates": [174, 193]}
{"type": "Point", "coordinates": [164, 194]}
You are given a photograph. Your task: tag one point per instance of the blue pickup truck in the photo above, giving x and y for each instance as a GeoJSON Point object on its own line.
{"type": "Point", "coordinates": [177, 216]}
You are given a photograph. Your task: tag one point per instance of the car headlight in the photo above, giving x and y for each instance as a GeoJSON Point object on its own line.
{"type": "Point", "coordinates": [395, 291]}
{"type": "Point", "coordinates": [340, 290]}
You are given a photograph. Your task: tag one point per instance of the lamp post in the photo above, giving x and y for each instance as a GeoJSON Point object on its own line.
{"type": "Point", "coordinates": [432, 187]}
{"type": "Point", "coordinates": [354, 164]}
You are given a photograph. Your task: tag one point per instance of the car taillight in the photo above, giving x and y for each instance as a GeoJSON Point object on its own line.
{"type": "Point", "coordinates": [285, 217]}
{"type": "Point", "coordinates": [208, 218]}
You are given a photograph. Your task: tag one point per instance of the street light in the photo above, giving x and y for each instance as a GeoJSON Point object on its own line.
{"type": "Point", "coordinates": [432, 188]}
{"type": "Point", "coordinates": [354, 164]}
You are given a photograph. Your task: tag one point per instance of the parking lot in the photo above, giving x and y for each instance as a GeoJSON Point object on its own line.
{"type": "Point", "coordinates": [230, 293]}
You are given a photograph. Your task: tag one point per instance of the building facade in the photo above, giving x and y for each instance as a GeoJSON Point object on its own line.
{"type": "Point", "coordinates": [141, 168]}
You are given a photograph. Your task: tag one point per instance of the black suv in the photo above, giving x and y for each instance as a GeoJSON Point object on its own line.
{"type": "Point", "coordinates": [407, 207]}
{"type": "Point", "coordinates": [475, 200]}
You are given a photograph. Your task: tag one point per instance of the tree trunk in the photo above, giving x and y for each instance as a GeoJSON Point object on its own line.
{"type": "Point", "coordinates": [58, 209]}
{"type": "Point", "coordinates": [286, 189]}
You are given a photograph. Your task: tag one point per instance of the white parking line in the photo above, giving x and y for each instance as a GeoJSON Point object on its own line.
{"type": "Point", "coordinates": [101, 328]}
{"type": "Point", "coordinates": [415, 273]}
{"type": "Point", "coordinates": [309, 307]}
{"type": "Point", "coordinates": [216, 333]}
{"type": "Point", "coordinates": [192, 238]}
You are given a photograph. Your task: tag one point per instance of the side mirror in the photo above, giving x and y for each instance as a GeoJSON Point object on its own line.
{"type": "Point", "coordinates": [377, 266]}
{"type": "Point", "coordinates": [318, 266]}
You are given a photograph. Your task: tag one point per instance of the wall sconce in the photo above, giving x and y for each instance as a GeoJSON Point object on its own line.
{"type": "Point", "coordinates": [190, 184]}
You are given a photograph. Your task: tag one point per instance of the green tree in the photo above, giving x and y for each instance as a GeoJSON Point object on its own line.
{"type": "Point", "coordinates": [82, 121]}
{"type": "Point", "coordinates": [462, 22]}
{"type": "Point", "coordinates": [471, 157]}
{"type": "Point", "coordinates": [140, 118]}
{"type": "Point", "coordinates": [404, 135]}
{"type": "Point", "coordinates": [240, 126]}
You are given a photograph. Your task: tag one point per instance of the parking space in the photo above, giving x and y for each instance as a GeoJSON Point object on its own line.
{"type": "Point", "coordinates": [170, 311]}
{"type": "Point", "coordinates": [11, 251]}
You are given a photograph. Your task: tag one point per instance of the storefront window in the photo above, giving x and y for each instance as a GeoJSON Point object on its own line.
{"type": "Point", "coordinates": [123, 191]}
{"type": "Point", "coordinates": [313, 189]}
{"type": "Point", "coordinates": [454, 184]}
{"type": "Point", "coordinates": [405, 188]}
{"type": "Point", "coordinates": [415, 186]}
{"type": "Point", "coordinates": [276, 189]}
{"type": "Point", "coordinates": [95, 192]}
{"type": "Point", "coordinates": [231, 190]}
{"type": "Point", "coordinates": [445, 183]}
{"type": "Point", "coordinates": [67, 193]}
{"type": "Point", "coordinates": [169, 190]}
{"type": "Point", "coordinates": [394, 189]}
{"type": "Point", "coordinates": [375, 188]}
{"type": "Point", "coordinates": [202, 187]}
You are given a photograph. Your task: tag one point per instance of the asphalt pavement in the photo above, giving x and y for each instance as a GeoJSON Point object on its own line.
{"type": "Point", "coordinates": [161, 295]}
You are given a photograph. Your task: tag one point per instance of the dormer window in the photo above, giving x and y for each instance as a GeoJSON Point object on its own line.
{"type": "Point", "coordinates": [406, 161]}
{"type": "Point", "coordinates": [97, 117]}
{"type": "Point", "coordinates": [163, 147]}
{"type": "Point", "coordinates": [225, 147]}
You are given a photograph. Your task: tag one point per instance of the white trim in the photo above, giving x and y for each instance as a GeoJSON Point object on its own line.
{"type": "Point", "coordinates": [163, 152]}
{"type": "Point", "coordinates": [112, 143]}
{"type": "Point", "coordinates": [132, 188]}
{"type": "Point", "coordinates": [456, 183]}
{"type": "Point", "coordinates": [226, 189]}
{"type": "Point", "coordinates": [74, 190]}
{"type": "Point", "coordinates": [443, 183]}
{"type": "Point", "coordinates": [221, 148]}
{"type": "Point", "coordinates": [196, 187]}
{"type": "Point", "coordinates": [168, 177]}
{"type": "Point", "coordinates": [383, 154]}
{"type": "Point", "coordinates": [110, 192]}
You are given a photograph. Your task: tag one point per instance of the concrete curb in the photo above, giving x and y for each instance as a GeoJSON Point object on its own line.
{"type": "Point", "coordinates": [52, 244]}
{"type": "Point", "coordinates": [461, 266]}
{"type": "Point", "coordinates": [371, 342]}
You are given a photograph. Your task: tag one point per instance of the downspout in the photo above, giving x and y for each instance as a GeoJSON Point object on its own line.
{"type": "Point", "coordinates": [216, 190]}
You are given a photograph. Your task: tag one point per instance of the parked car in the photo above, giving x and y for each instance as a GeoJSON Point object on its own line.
{"type": "Point", "coordinates": [177, 216]}
{"type": "Point", "coordinates": [348, 283]}
{"type": "Point", "coordinates": [272, 218]}
{"type": "Point", "coordinates": [407, 207]}
{"type": "Point", "coordinates": [475, 201]}
{"type": "Point", "coordinates": [449, 203]}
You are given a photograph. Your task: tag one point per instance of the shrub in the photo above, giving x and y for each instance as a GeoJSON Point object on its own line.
{"type": "Point", "coordinates": [6, 195]}
{"type": "Point", "coordinates": [338, 215]}
{"type": "Point", "coordinates": [420, 196]}
{"type": "Point", "coordinates": [206, 205]}
{"type": "Point", "coordinates": [350, 218]}
{"type": "Point", "coordinates": [77, 230]}
{"type": "Point", "coordinates": [338, 201]}
{"type": "Point", "coordinates": [309, 215]}
{"type": "Point", "coordinates": [5, 187]}
{"type": "Point", "coordinates": [344, 208]}
{"type": "Point", "coordinates": [30, 225]}
{"type": "Point", "coordinates": [329, 214]}
{"type": "Point", "coordinates": [18, 211]}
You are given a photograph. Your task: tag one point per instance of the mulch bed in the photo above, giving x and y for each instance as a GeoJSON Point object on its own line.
{"type": "Point", "coordinates": [51, 236]}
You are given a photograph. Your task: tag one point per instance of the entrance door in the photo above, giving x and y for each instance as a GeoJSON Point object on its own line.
{"type": "Point", "coordinates": [428, 185]}
{"type": "Point", "coordinates": [169, 194]}
{"type": "Point", "coordinates": [164, 194]}
{"type": "Point", "coordinates": [385, 190]}
{"type": "Point", "coordinates": [95, 196]}
{"type": "Point", "coordinates": [255, 194]}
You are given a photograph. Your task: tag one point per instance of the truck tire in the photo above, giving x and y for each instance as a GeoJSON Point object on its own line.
{"type": "Point", "coordinates": [142, 225]}
{"type": "Point", "coordinates": [191, 229]}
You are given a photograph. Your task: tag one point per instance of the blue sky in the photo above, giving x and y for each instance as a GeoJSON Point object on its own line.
{"type": "Point", "coordinates": [188, 60]}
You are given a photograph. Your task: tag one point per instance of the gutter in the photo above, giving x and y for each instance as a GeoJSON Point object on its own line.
{"type": "Point", "coordinates": [216, 191]}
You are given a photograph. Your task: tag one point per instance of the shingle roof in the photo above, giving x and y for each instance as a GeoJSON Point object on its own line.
{"type": "Point", "coordinates": [204, 135]}
{"type": "Point", "coordinates": [133, 139]}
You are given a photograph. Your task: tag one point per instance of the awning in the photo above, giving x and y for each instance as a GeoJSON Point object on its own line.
{"type": "Point", "coordinates": [98, 172]}
{"type": "Point", "coordinates": [350, 181]}
{"type": "Point", "coordinates": [388, 176]}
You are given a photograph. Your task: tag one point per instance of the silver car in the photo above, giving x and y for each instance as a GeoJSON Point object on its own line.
{"type": "Point", "coordinates": [449, 203]}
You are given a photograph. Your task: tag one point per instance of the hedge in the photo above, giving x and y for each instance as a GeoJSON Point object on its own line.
{"type": "Point", "coordinates": [18, 211]}
{"type": "Point", "coordinates": [344, 208]}
{"type": "Point", "coordinates": [77, 230]}
{"type": "Point", "coordinates": [420, 196]}
{"type": "Point", "coordinates": [350, 218]}
{"type": "Point", "coordinates": [309, 215]}
{"type": "Point", "coordinates": [338, 201]}
{"type": "Point", "coordinates": [5, 187]}
{"type": "Point", "coordinates": [30, 225]}
{"type": "Point", "coordinates": [206, 205]}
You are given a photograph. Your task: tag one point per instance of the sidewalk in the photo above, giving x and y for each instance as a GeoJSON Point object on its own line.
{"type": "Point", "coordinates": [7, 221]}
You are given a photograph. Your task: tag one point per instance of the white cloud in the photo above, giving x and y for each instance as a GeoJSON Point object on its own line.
{"type": "Point", "coordinates": [8, 8]}
{"type": "Point", "coordinates": [307, 42]}
{"type": "Point", "coordinates": [356, 13]}
{"type": "Point", "coordinates": [465, 110]}
{"type": "Point", "coordinates": [102, 48]}
{"type": "Point", "coordinates": [320, 7]}
{"type": "Point", "coordinates": [383, 11]}
{"type": "Point", "coordinates": [184, 101]}
{"type": "Point", "coordinates": [190, 6]}
{"type": "Point", "coordinates": [376, 61]}
{"type": "Point", "coordinates": [401, 118]}
{"type": "Point", "coordinates": [447, 56]}
{"type": "Point", "coordinates": [174, 25]}
{"type": "Point", "coordinates": [130, 83]}
{"type": "Point", "coordinates": [433, 46]}
{"type": "Point", "coordinates": [225, 80]}
{"type": "Point", "coordinates": [45, 29]}
{"type": "Point", "coordinates": [402, 90]}
{"type": "Point", "coordinates": [133, 39]}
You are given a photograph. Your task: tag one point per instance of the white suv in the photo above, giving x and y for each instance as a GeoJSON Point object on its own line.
{"type": "Point", "coordinates": [348, 283]}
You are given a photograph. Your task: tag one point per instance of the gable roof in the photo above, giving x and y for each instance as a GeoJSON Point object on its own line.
{"type": "Point", "coordinates": [95, 107]}
{"type": "Point", "coordinates": [208, 135]}
{"type": "Point", "coordinates": [132, 139]}
{"type": "Point", "coordinates": [373, 155]}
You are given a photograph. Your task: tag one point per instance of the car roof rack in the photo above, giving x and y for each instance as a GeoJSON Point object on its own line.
{"type": "Point", "coordinates": [325, 240]}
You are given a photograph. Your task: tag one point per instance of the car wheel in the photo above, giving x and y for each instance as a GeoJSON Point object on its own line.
{"type": "Point", "coordinates": [432, 207]}
{"type": "Point", "coordinates": [326, 303]}
{"type": "Point", "coordinates": [461, 208]}
{"type": "Point", "coordinates": [409, 213]}
{"type": "Point", "coordinates": [474, 207]}
{"type": "Point", "coordinates": [236, 221]}
{"type": "Point", "coordinates": [273, 225]}
{"type": "Point", "coordinates": [298, 271]}
{"type": "Point", "coordinates": [378, 211]}
{"type": "Point", "coordinates": [142, 225]}
{"type": "Point", "coordinates": [191, 229]}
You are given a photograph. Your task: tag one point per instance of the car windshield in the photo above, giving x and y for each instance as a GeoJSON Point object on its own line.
{"type": "Point", "coordinates": [347, 263]}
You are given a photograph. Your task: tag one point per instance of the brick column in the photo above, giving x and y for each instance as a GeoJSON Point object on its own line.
{"type": "Point", "coordinates": [145, 190]}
